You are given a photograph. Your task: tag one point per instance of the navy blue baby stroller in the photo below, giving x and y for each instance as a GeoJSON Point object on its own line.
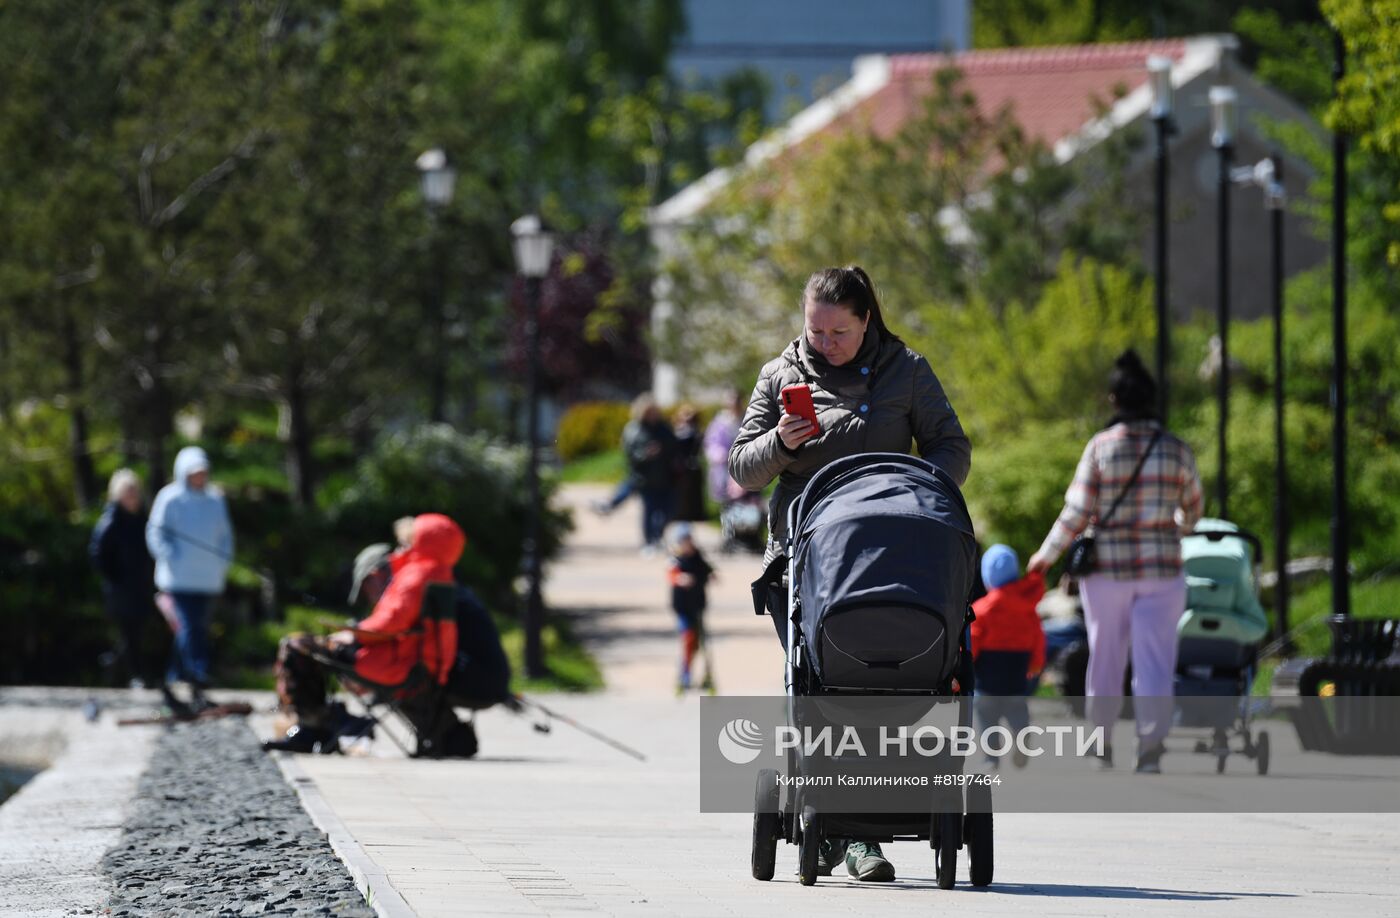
{"type": "Point", "coordinates": [880, 566]}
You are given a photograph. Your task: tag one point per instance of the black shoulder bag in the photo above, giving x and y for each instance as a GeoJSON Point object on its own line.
{"type": "Point", "coordinates": [1081, 557]}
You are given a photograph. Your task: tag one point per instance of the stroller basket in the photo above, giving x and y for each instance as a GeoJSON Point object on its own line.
{"type": "Point", "coordinates": [894, 647]}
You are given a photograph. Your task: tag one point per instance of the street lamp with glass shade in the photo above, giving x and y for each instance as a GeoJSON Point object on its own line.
{"type": "Point", "coordinates": [437, 178]}
{"type": "Point", "coordinates": [1159, 77]}
{"type": "Point", "coordinates": [1223, 112]}
{"type": "Point", "coordinates": [534, 246]}
{"type": "Point", "coordinates": [534, 249]}
{"type": "Point", "coordinates": [1223, 106]}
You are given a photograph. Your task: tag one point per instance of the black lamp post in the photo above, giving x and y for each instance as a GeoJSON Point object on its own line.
{"type": "Point", "coordinates": [1159, 71]}
{"type": "Point", "coordinates": [438, 181]}
{"type": "Point", "coordinates": [1275, 199]}
{"type": "Point", "coordinates": [1341, 550]}
{"type": "Point", "coordinates": [1222, 137]}
{"type": "Point", "coordinates": [534, 247]}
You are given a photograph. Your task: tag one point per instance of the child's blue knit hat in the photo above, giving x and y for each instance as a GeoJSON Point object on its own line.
{"type": "Point", "coordinates": [1000, 566]}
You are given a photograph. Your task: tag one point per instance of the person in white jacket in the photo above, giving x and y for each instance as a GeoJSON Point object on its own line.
{"type": "Point", "coordinates": [191, 539]}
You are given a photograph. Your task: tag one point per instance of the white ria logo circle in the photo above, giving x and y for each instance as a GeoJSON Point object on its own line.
{"type": "Point", "coordinates": [740, 741]}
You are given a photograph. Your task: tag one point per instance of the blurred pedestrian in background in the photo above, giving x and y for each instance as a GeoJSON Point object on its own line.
{"type": "Point", "coordinates": [118, 551]}
{"type": "Point", "coordinates": [1137, 486]}
{"type": "Point", "coordinates": [690, 472]}
{"type": "Point", "coordinates": [1008, 644]}
{"type": "Point", "coordinates": [191, 538]}
{"type": "Point", "coordinates": [403, 532]}
{"type": "Point", "coordinates": [719, 437]}
{"type": "Point", "coordinates": [690, 573]}
{"type": "Point", "coordinates": [650, 446]}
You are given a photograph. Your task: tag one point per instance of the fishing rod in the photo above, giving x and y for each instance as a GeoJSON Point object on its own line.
{"type": "Point", "coordinates": [522, 700]}
{"type": "Point", "coordinates": [214, 550]}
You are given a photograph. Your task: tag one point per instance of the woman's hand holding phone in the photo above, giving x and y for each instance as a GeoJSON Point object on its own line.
{"type": "Point", "coordinates": [794, 430]}
{"type": "Point", "coordinates": [799, 421]}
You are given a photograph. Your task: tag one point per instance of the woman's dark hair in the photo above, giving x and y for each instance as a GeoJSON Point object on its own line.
{"type": "Point", "coordinates": [1134, 390]}
{"type": "Point", "coordinates": [850, 287]}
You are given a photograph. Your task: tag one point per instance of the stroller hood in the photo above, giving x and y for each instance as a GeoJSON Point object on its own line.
{"type": "Point", "coordinates": [880, 533]}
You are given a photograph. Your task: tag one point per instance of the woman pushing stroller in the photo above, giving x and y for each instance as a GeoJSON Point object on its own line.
{"type": "Point", "coordinates": [867, 392]}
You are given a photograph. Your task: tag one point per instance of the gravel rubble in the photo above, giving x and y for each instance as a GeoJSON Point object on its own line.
{"type": "Point", "coordinates": [215, 830]}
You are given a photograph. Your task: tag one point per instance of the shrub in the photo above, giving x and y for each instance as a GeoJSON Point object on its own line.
{"type": "Point", "coordinates": [475, 479]}
{"type": "Point", "coordinates": [589, 428]}
{"type": "Point", "coordinates": [52, 627]}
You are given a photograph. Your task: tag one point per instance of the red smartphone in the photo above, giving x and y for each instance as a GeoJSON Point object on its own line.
{"type": "Point", "coordinates": [797, 399]}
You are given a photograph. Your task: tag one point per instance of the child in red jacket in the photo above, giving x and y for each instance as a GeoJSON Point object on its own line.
{"type": "Point", "coordinates": [688, 575]}
{"type": "Point", "coordinates": [1008, 644]}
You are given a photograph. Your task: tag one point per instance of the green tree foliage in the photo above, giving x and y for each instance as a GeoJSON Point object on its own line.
{"type": "Point", "coordinates": [1366, 105]}
{"type": "Point", "coordinates": [216, 205]}
{"type": "Point", "coordinates": [1017, 23]}
{"type": "Point", "coordinates": [211, 213]}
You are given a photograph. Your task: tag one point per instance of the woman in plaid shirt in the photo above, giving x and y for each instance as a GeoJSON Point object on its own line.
{"type": "Point", "coordinates": [1137, 592]}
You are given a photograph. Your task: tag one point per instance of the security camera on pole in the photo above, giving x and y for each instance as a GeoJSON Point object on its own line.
{"type": "Point", "coordinates": [1267, 175]}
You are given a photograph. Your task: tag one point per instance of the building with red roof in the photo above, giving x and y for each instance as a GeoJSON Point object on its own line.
{"type": "Point", "coordinates": [1071, 97]}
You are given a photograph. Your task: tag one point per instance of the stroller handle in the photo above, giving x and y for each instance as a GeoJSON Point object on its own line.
{"type": "Point", "coordinates": [822, 480]}
{"type": "Point", "coordinates": [1244, 535]}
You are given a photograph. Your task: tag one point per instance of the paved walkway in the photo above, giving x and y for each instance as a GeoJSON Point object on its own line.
{"type": "Point", "coordinates": [619, 601]}
{"type": "Point", "coordinates": [563, 824]}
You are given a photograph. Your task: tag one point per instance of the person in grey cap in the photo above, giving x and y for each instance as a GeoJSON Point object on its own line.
{"type": "Point", "coordinates": [370, 573]}
{"type": "Point", "coordinates": [304, 714]}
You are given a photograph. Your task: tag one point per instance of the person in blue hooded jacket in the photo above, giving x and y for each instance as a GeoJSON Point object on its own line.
{"type": "Point", "coordinates": [191, 539]}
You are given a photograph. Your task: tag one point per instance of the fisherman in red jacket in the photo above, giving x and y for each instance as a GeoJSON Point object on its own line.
{"type": "Point", "coordinates": [1008, 644]}
{"type": "Point", "coordinates": [382, 648]}
{"type": "Point", "coordinates": [389, 642]}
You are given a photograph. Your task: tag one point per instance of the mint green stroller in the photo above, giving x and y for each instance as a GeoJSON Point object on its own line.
{"type": "Point", "coordinates": [1218, 638]}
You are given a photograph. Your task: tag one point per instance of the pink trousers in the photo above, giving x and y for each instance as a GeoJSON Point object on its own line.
{"type": "Point", "coordinates": [1141, 614]}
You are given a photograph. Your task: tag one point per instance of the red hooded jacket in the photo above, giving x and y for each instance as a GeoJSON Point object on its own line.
{"type": "Point", "coordinates": [1006, 620]}
{"type": "Point", "coordinates": [437, 544]}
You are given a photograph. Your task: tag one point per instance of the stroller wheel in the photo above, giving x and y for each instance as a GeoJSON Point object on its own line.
{"type": "Point", "coordinates": [945, 852]}
{"type": "Point", "coordinates": [766, 824]}
{"type": "Point", "coordinates": [977, 834]}
{"type": "Point", "coordinates": [809, 847]}
{"type": "Point", "coordinates": [1261, 752]}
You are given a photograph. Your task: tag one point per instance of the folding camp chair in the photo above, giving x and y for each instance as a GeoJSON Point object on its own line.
{"type": "Point", "coordinates": [421, 701]}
